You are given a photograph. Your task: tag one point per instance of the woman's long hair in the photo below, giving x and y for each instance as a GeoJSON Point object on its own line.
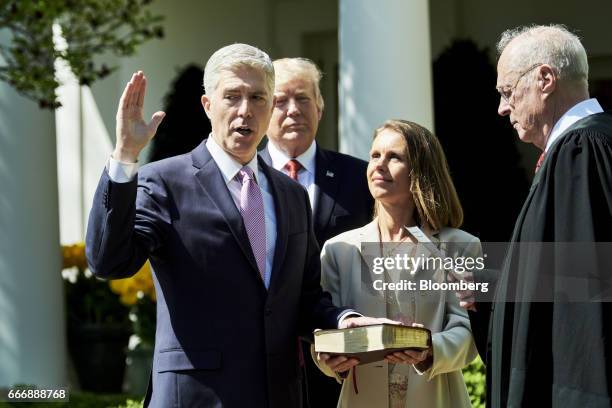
{"type": "Point", "coordinates": [432, 188]}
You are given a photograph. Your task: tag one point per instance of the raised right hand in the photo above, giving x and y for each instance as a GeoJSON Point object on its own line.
{"type": "Point", "coordinates": [133, 133]}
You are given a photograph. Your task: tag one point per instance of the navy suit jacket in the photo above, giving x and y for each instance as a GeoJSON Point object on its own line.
{"type": "Point", "coordinates": [218, 328]}
{"type": "Point", "coordinates": [344, 201]}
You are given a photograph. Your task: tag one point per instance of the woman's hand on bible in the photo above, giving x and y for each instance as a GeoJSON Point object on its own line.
{"type": "Point", "coordinates": [408, 356]}
{"type": "Point", "coordinates": [422, 359]}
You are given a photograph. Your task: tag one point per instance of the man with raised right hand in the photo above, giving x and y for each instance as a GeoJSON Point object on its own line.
{"type": "Point", "coordinates": [236, 264]}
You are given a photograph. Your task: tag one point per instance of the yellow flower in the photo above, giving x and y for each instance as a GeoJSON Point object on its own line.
{"type": "Point", "coordinates": [74, 255]}
{"type": "Point", "coordinates": [129, 288]}
{"type": "Point", "coordinates": [129, 297]}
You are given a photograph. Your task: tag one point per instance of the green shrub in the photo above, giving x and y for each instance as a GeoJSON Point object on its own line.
{"type": "Point", "coordinates": [84, 400]}
{"type": "Point", "coordinates": [475, 380]}
{"type": "Point", "coordinates": [130, 403]}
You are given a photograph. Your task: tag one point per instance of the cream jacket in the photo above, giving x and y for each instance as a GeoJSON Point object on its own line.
{"type": "Point", "coordinates": [346, 276]}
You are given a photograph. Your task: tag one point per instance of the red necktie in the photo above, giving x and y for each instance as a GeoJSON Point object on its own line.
{"type": "Point", "coordinates": [540, 161]}
{"type": "Point", "coordinates": [293, 166]}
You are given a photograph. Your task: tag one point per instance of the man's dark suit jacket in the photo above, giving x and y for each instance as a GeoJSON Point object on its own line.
{"type": "Point", "coordinates": [221, 336]}
{"type": "Point", "coordinates": [344, 201]}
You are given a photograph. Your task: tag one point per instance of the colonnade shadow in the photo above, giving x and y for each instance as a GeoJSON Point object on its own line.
{"type": "Point", "coordinates": [185, 124]}
{"type": "Point", "coordinates": [479, 144]}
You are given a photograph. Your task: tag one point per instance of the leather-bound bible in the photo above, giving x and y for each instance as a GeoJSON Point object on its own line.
{"type": "Point", "coordinates": [371, 343]}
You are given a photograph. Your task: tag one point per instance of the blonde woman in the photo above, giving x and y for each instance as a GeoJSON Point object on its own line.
{"type": "Point", "coordinates": [409, 180]}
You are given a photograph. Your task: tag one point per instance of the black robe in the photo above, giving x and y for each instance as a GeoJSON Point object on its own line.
{"type": "Point", "coordinates": [541, 346]}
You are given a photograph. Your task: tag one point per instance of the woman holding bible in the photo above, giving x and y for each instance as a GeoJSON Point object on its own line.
{"type": "Point", "coordinates": [409, 179]}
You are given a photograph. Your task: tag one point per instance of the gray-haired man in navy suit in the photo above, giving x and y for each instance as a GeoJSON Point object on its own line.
{"type": "Point", "coordinates": [235, 259]}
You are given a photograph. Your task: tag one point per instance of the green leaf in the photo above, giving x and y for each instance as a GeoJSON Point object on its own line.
{"type": "Point", "coordinates": [91, 28]}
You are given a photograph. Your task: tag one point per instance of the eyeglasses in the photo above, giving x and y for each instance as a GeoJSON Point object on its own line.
{"type": "Point", "coordinates": [506, 93]}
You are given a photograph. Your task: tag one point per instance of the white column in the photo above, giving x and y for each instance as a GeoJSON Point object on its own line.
{"type": "Point", "coordinates": [385, 68]}
{"type": "Point", "coordinates": [83, 147]}
{"type": "Point", "coordinates": [32, 339]}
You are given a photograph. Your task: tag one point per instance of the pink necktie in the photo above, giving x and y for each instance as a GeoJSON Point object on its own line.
{"type": "Point", "coordinates": [293, 166]}
{"type": "Point", "coordinates": [540, 161]}
{"type": "Point", "coordinates": [252, 211]}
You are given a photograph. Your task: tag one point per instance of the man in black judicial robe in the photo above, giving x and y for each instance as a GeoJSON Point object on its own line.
{"type": "Point", "coordinates": [546, 338]}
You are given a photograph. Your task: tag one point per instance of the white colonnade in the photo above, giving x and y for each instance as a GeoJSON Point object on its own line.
{"type": "Point", "coordinates": [385, 68]}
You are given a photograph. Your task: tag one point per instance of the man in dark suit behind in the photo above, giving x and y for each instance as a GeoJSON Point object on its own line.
{"type": "Point", "coordinates": [236, 265]}
{"type": "Point", "coordinates": [336, 183]}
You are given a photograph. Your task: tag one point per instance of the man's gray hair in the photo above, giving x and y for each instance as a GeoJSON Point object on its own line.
{"type": "Point", "coordinates": [551, 44]}
{"type": "Point", "coordinates": [286, 68]}
{"type": "Point", "coordinates": [235, 56]}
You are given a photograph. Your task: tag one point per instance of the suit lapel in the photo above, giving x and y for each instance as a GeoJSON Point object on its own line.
{"type": "Point", "coordinates": [521, 218]}
{"type": "Point", "coordinates": [368, 247]}
{"type": "Point", "coordinates": [502, 285]}
{"type": "Point", "coordinates": [282, 221]}
{"type": "Point", "coordinates": [265, 155]}
{"type": "Point", "coordinates": [369, 236]}
{"type": "Point", "coordinates": [326, 179]}
{"type": "Point", "coordinates": [421, 250]}
{"type": "Point", "coordinates": [210, 178]}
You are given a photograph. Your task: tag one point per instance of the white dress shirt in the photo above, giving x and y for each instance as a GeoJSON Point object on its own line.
{"type": "Point", "coordinates": [120, 172]}
{"type": "Point", "coordinates": [577, 112]}
{"type": "Point", "coordinates": [306, 175]}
